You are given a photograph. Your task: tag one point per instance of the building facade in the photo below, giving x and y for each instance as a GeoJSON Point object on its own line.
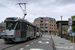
{"type": "Point", "coordinates": [47, 24]}
{"type": "Point", "coordinates": [2, 26]}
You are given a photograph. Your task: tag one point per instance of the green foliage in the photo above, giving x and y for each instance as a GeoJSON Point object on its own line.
{"type": "Point", "coordinates": [73, 17]}
{"type": "Point", "coordinates": [73, 27]}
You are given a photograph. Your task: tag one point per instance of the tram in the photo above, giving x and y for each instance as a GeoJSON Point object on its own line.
{"type": "Point", "coordinates": [17, 30]}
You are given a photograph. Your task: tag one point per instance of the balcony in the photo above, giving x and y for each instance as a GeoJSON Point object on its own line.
{"type": "Point", "coordinates": [41, 22]}
{"type": "Point", "coordinates": [41, 25]}
{"type": "Point", "coordinates": [45, 29]}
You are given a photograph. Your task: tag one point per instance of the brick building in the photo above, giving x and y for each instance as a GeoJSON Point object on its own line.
{"type": "Point", "coordinates": [47, 24]}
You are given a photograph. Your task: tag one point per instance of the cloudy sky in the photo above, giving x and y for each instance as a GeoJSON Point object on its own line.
{"type": "Point", "coordinates": [38, 8]}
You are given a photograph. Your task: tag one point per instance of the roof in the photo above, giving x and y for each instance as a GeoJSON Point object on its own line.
{"type": "Point", "coordinates": [49, 18]}
{"type": "Point", "coordinates": [63, 23]}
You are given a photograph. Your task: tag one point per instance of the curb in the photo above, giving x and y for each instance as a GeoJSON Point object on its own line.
{"type": "Point", "coordinates": [53, 45]}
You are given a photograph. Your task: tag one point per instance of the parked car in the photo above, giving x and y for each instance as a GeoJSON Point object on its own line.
{"type": "Point", "coordinates": [1, 34]}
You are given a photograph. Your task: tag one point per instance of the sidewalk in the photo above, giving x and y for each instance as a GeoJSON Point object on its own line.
{"type": "Point", "coordinates": [62, 44]}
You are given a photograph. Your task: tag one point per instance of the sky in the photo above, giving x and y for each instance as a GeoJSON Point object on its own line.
{"type": "Point", "coordinates": [38, 8]}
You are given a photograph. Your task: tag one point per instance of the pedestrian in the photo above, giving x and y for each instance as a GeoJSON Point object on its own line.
{"type": "Point", "coordinates": [41, 34]}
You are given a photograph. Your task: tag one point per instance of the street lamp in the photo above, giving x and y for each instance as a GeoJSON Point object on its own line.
{"type": "Point", "coordinates": [61, 26]}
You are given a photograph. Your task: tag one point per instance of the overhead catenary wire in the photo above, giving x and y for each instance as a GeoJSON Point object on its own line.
{"type": "Point", "coordinates": [31, 12]}
{"type": "Point", "coordinates": [10, 9]}
{"type": "Point", "coordinates": [27, 9]}
{"type": "Point", "coordinates": [20, 6]}
{"type": "Point", "coordinates": [24, 10]}
{"type": "Point", "coordinates": [19, 1]}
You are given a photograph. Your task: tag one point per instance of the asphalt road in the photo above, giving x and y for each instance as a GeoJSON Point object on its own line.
{"type": "Point", "coordinates": [43, 43]}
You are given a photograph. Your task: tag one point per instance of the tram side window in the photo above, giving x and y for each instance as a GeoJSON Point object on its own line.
{"type": "Point", "coordinates": [27, 27]}
{"type": "Point", "coordinates": [18, 26]}
{"type": "Point", "coordinates": [23, 26]}
{"type": "Point", "coordinates": [32, 28]}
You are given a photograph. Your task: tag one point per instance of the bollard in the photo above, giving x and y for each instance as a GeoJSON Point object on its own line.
{"type": "Point", "coordinates": [70, 38]}
{"type": "Point", "coordinates": [73, 39]}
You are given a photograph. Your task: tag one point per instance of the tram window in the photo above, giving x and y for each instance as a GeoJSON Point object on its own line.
{"type": "Point", "coordinates": [31, 28]}
{"type": "Point", "coordinates": [18, 26]}
{"type": "Point", "coordinates": [10, 25]}
{"type": "Point", "coordinates": [27, 27]}
{"type": "Point", "coordinates": [23, 25]}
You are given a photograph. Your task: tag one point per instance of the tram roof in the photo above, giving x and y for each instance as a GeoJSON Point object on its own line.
{"type": "Point", "coordinates": [23, 20]}
{"type": "Point", "coordinates": [18, 19]}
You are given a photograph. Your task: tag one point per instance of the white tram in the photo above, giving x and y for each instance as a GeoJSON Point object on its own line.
{"type": "Point", "coordinates": [17, 30]}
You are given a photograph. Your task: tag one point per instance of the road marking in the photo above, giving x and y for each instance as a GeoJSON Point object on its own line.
{"type": "Point", "coordinates": [47, 42]}
{"type": "Point", "coordinates": [21, 48]}
{"type": "Point", "coordinates": [36, 49]}
{"type": "Point", "coordinates": [45, 39]}
{"type": "Point", "coordinates": [65, 47]}
{"type": "Point", "coordinates": [32, 43]}
{"type": "Point", "coordinates": [39, 41]}
{"type": "Point", "coordinates": [43, 42]}
{"type": "Point", "coordinates": [27, 45]}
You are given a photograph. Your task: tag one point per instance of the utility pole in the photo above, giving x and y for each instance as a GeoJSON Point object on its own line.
{"type": "Point", "coordinates": [61, 26]}
{"type": "Point", "coordinates": [23, 9]}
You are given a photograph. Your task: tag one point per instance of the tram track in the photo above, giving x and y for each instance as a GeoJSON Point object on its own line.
{"type": "Point", "coordinates": [14, 44]}
{"type": "Point", "coordinates": [7, 47]}
{"type": "Point", "coordinates": [26, 43]}
{"type": "Point", "coordinates": [18, 44]}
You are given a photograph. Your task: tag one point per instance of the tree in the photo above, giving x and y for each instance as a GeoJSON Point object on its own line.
{"type": "Point", "coordinates": [73, 17]}
{"type": "Point", "coordinates": [73, 27]}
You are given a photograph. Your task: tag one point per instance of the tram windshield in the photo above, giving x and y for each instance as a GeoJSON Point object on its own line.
{"type": "Point", "coordinates": [10, 25]}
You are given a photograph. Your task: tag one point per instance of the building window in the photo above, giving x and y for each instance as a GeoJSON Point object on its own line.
{"type": "Point", "coordinates": [50, 27]}
{"type": "Point", "coordinates": [46, 21]}
{"type": "Point", "coordinates": [50, 24]}
{"type": "Point", "coordinates": [46, 25]}
{"type": "Point", "coordinates": [41, 22]}
{"type": "Point", "coordinates": [41, 18]}
{"type": "Point", "coordinates": [41, 25]}
{"type": "Point", "coordinates": [47, 18]}
{"type": "Point", "coordinates": [42, 28]}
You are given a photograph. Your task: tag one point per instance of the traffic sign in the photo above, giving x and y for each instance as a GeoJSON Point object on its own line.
{"type": "Point", "coordinates": [70, 31]}
{"type": "Point", "coordinates": [70, 21]}
{"type": "Point", "coordinates": [70, 34]}
{"type": "Point", "coordinates": [73, 34]}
